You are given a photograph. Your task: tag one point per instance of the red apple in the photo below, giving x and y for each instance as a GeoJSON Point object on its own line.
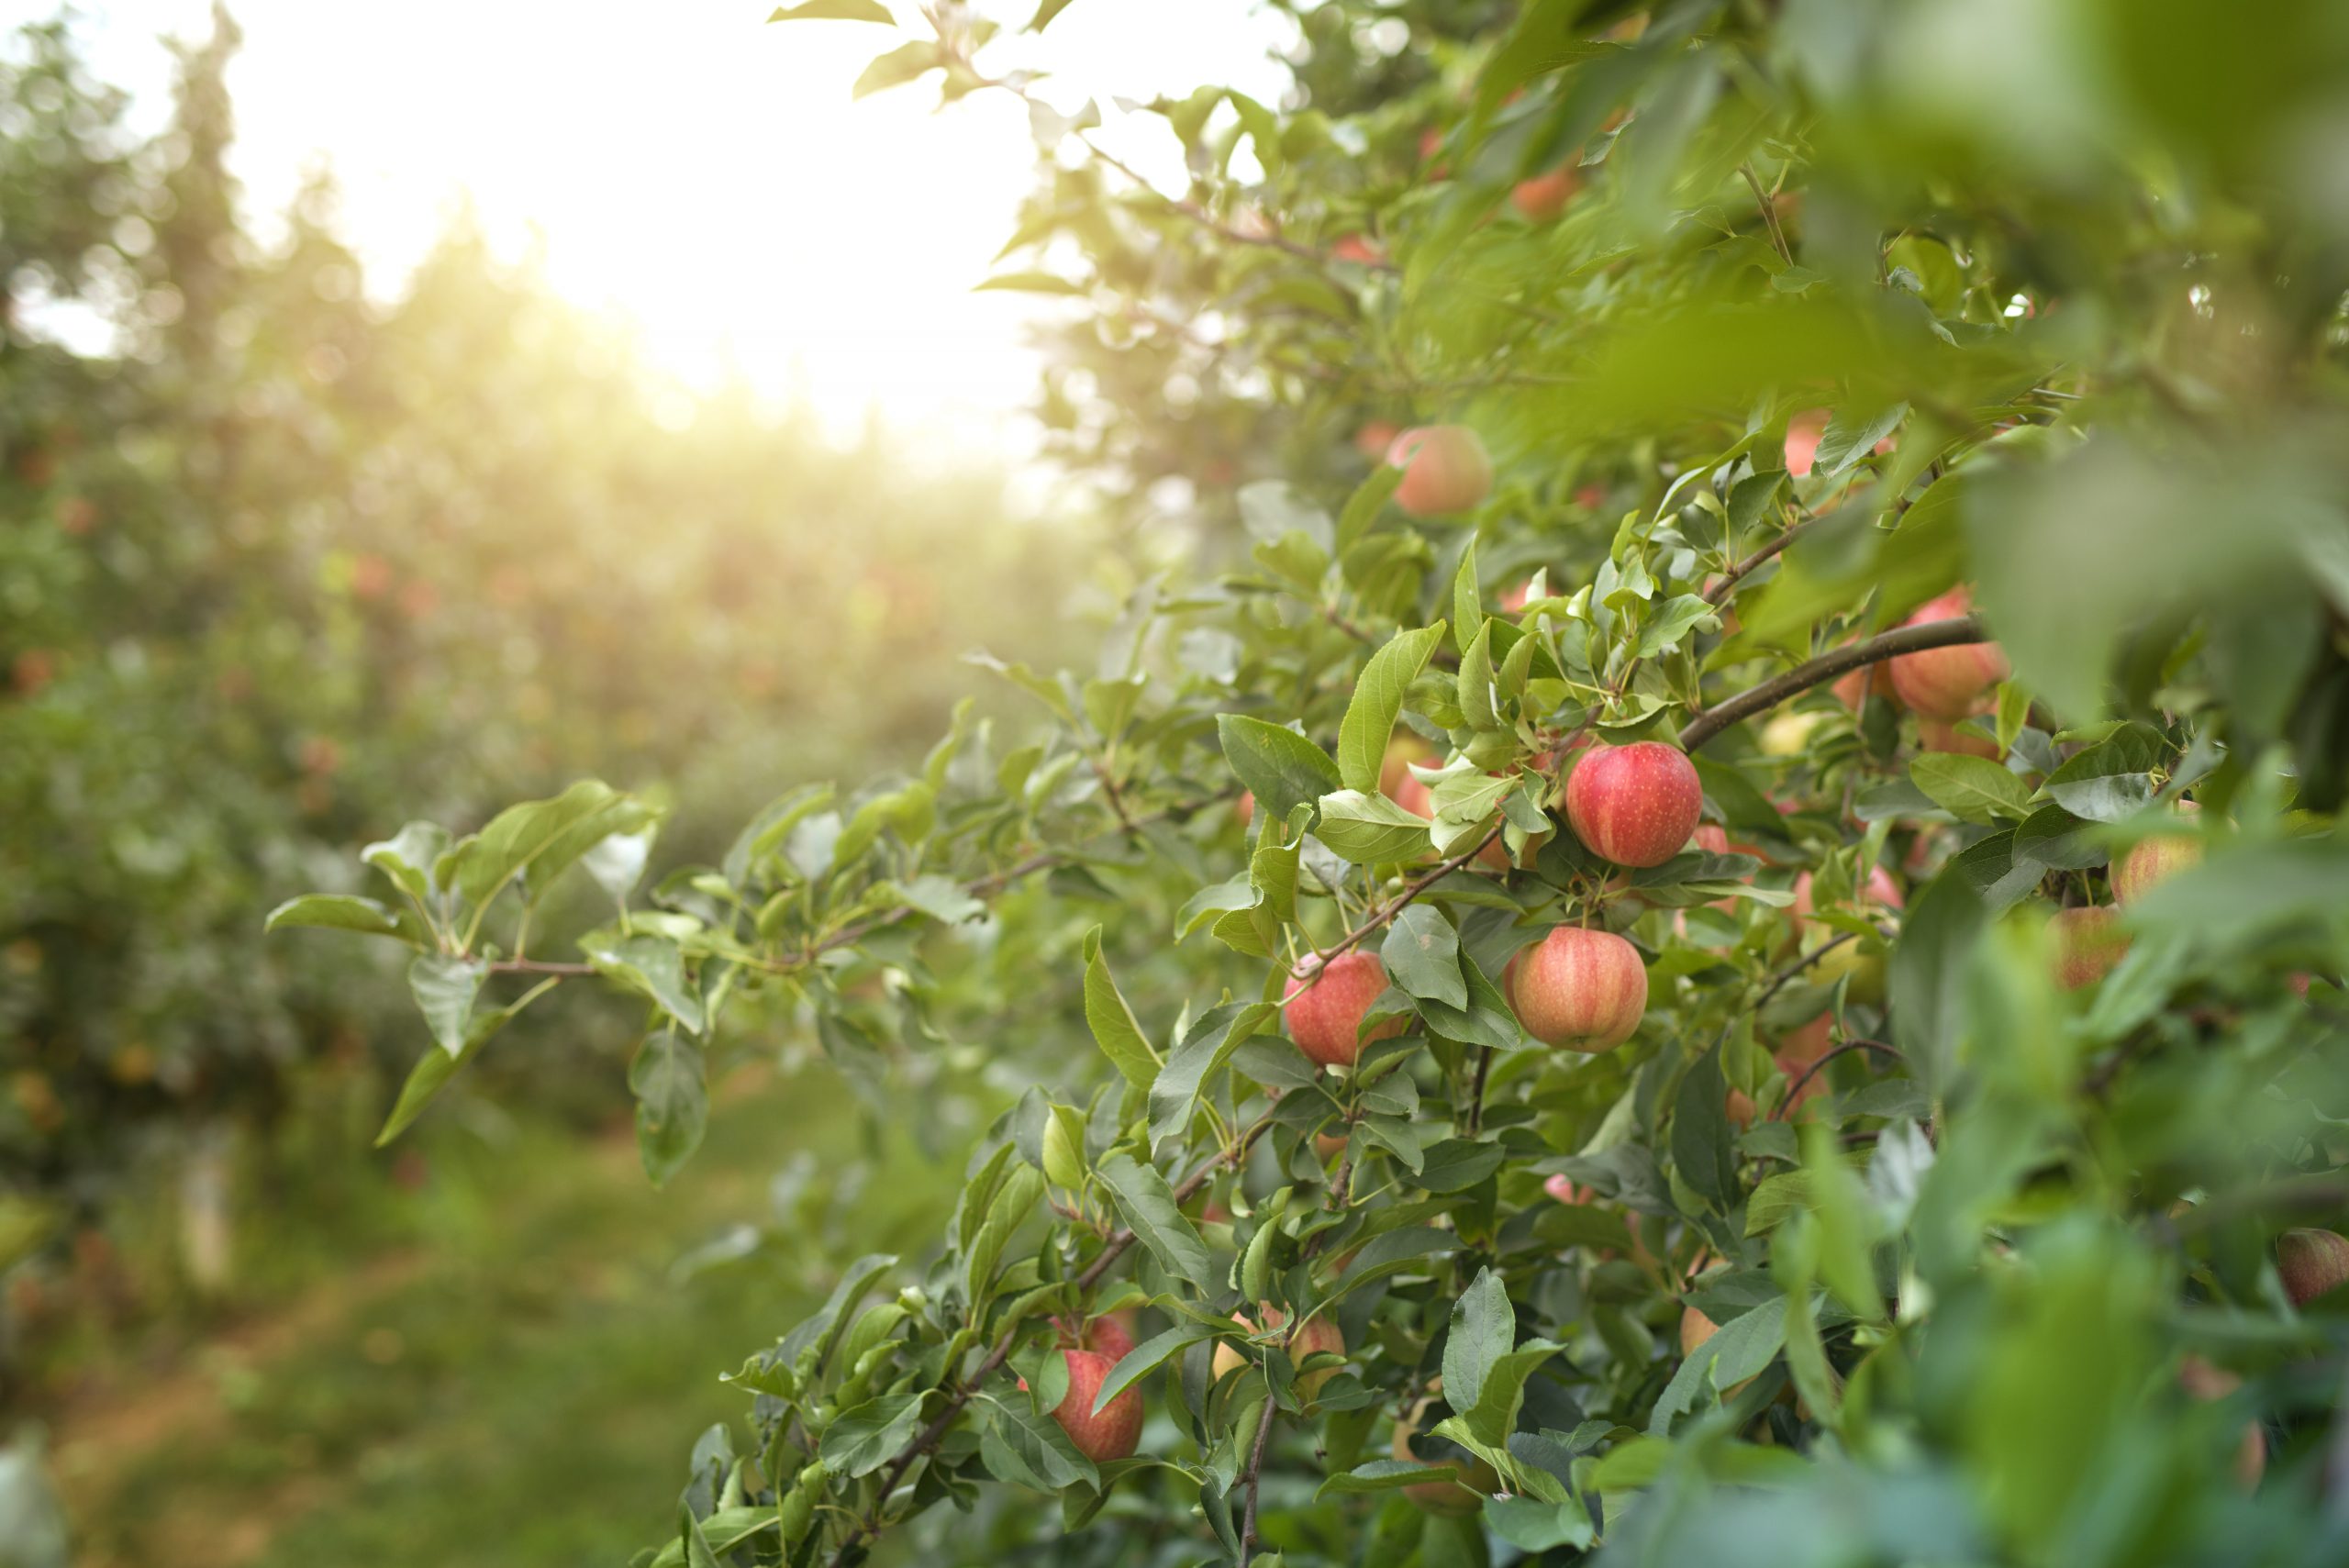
{"type": "Point", "coordinates": [1111, 1334]}
{"type": "Point", "coordinates": [1879, 889]}
{"type": "Point", "coordinates": [1444, 467]}
{"type": "Point", "coordinates": [1544, 197]}
{"type": "Point", "coordinates": [1941, 735]}
{"type": "Point", "coordinates": [1581, 990]}
{"type": "Point", "coordinates": [2312, 1263]}
{"type": "Point", "coordinates": [1808, 1043]}
{"type": "Point", "coordinates": [1372, 440]}
{"type": "Point", "coordinates": [1946, 683]}
{"type": "Point", "coordinates": [2209, 1382]}
{"type": "Point", "coordinates": [1561, 1187]}
{"type": "Point", "coordinates": [2153, 859]}
{"type": "Point", "coordinates": [2088, 945]}
{"type": "Point", "coordinates": [1634, 804]}
{"type": "Point", "coordinates": [1116, 1432]}
{"type": "Point", "coordinates": [1357, 248]}
{"type": "Point", "coordinates": [1326, 1008]}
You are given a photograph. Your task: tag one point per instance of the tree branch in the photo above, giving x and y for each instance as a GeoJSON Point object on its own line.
{"type": "Point", "coordinates": [1411, 891]}
{"type": "Point", "coordinates": [1704, 726]}
{"type": "Point", "coordinates": [1255, 1472]}
{"type": "Point", "coordinates": [1730, 579]}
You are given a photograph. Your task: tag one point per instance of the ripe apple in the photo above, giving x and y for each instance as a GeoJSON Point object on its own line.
{"type": "Point", "coordinates": [2150, 861]}
{"type": "Point", "coordinates": [1806, 1044]}
{"type": "Point", "coordinates": [1328, 1145]}
{"type": "Point", "coordinates": [1802, 441]}
{"type": "Point", "coordinates": [1579, 989]}
{"type": "Point", "coordinates": [1417, 799]}
{"type": "Point", "coordinates": [1327, 1006]}
{"type": "Point", "coordinates": [1544, 197]}
{"type": "Point", "coordinates": [1359, 249]}
{"type": "Point", "coordinates": [1445, 469]}
{"type": "Point", "coordinates": [2088, 945]}
{"type": "Point", "coordinates": [1111, 1334]}
{"type": "Point", "coordinates": [1245, 809]}
{"type": "Point", "coordinates": [1941, 735]}
{"type": "Point", "coordinates": [2312, 1263]}
{"type": "Point", "coordinates": [1116, 1432]}
{"type": "Point", "coordinates": [1319, 1335]}
{"type": "Point", "coordinates": [1946, 683]}
{"type": "Point", "coordinates": [1395, 773]}
{"type": "Point", "coordinates": [1634, 804]}
{"type": "Point", "coordinates": [1868, 680]}
{"type": "Point", "coordinates": [1561, 1187]}
{"type": "Point", "coordinates": [1878, 890]}
{"type": "Point", "coordinates": [1375, 436]}
{"type": "Point", "coordinates": [1695, 1330]}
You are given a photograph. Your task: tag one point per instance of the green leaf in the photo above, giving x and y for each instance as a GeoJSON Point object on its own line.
{"type": "Point", "coordinates": [1377, 702]}
{"type": "Point", "coordinates": [1112, 1022]}
{"type": "Point", "coordinates": [1138, 1362]}
{"type": "Point", "coordinates": [445, 987]}
{"type": "Point", "coordinates": [671, 1103]}
{"type": "Point", "coordinates": [1363, 506]}
{"type": "Point", "coordinates": [408, 856]}
{"type": "Point", "coordinates": [1384, 1476]}
{"type": "Point", "coordinates": [835, 11]}
{"type": "Point", "coordinates": [1925, 978]}
{"type": "Point", "coordinates": [1484, 1329]}
{"type": "Point", "coordinates": [2112, 780]}
{"type": "Point", "coordinates": [654, 967]}
{"type": "Point", "coordinates": [340, 912]}
{"type": "Point", "coordinates": [1421, 953]}
{"type": "Point", "coordinates": [1029, 282]}
{"type": "Point", "coordinates": [1207, 1045]}
{"type": "Point", "coordinates": [1743, 1346]}
{"type": "Point", "coordinates": [1037, 1445]}
{"type": "Point", "coordinates": [1531, 1525]}
{"type": "Point", "coordinates": [861, 1440]}
{"type": "Point", "coordinates": [1851, 436]}
{"type": "Point", "coordinates": [1281, 768]}
{"type": "Point", "coordinates": [1147, 1204]}
{"type": "Point", "coordinates": [1370, 830]}
{"type": "Point", "coordinates": [1972, 789]}
{"type": "Point", "coordinates": [1702, 1149]}
{"type": "Point", "coordinates": [1458, 1163]}
{"type": "Point", "coordinates": [899, 66]}
{"type": "Point", "coordinates": [541, 838]}
{"type": "Point", "coordinates": [1493, 1415]}
{"type": "Point", "coordinates": [1468, 613]}
{"type": "Point", "coordinates": [436, 1067]}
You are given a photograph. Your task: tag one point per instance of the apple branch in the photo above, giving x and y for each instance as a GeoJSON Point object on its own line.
{"type": "Point", "coordinates": [1704, 726]}
{"type": "Point", "coordinates": [958, 1399]}
{"type": "Point", "coordinates": [1386, 912]}
{"type": "Point", "coordinates": [1255, 1472]}
{"type": "Point", "coordinates": [1811, 1071]}
{"type": "Point", "coordinates": [1730, 578]}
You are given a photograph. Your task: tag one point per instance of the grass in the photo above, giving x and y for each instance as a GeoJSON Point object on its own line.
{"type": "Point", "coordinates": [522, 1384]}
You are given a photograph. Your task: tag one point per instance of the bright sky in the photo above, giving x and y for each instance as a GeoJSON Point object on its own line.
{"type": "Point", "coordinates": [699, 171]}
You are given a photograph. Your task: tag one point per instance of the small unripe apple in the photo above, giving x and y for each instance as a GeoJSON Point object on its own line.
{"type": "Point", "coordinates": [2312, 1263]}
{"type": "Point", "coordinates": [1326, 1007]}
{"type": "Point", "coordinates": [1116, 1432]}
{"type": "Point", "coordinates": [1788, 731]}
{"type": "Point", "coordinates": [1544, 197]}
{"type": "Point", "coordinates": [1946, 683]}
{"type": "Point", "coordinates": [1941, 735]}
{"type": "Point", "coordinates": [2088, 943]}
{"type": "Point", "coordinates": [1862, 965]}
{"type": "Point", "coordinates": [1318, 1336]}
{"type": "Point", "coordinates": [1581, 990]}
{"type": "Point", "coordinates": [1445, 469]}
{"type": "Point", "coordinates": [2153, 860]}
{"type": "Point", "coordinates": [1634, 804]}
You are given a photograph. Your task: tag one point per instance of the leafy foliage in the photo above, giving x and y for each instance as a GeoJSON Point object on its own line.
{"type": "Point", "coordinates": [1928, 1215]}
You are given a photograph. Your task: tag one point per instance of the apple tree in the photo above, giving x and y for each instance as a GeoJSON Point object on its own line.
{"type": "Point", "coordinates": [1697, 916]}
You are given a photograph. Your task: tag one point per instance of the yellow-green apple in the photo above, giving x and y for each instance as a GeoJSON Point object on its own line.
{"type": "Point", "coordinates": [1326, 1007]}
{"type": "Point", "coordinates": [1582, 990]}
{"type": "Point", "coordinates": [1634, 804]}
{"type": "Point", "coordinates": [2150, 861]}
{"type": "Point", "coordinates": [2088, 943]}
{"type": "Point", "coordinates": [1946, 683]}
{"type": "Point", "coordinates": [2312, 1263]}
{"type": "Point", "coordinates": [1444, 467]}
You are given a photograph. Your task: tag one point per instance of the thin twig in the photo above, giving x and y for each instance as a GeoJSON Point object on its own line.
{"type": "Point", "coordinates": [1730, 579]}
{"type": "Point", "coordinates": [1386, 913]}
{"type": "Point", "coordinates": [1827, 667]}
{"type": "Point", "coordinates": [1778, 980]}
{"type": "Point", "coordinates": [1477, 1094]}
{"type": "Point", "coordinates": [1825, 1057]}
{"type": "Point", "coordinates": [1769, 215]}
